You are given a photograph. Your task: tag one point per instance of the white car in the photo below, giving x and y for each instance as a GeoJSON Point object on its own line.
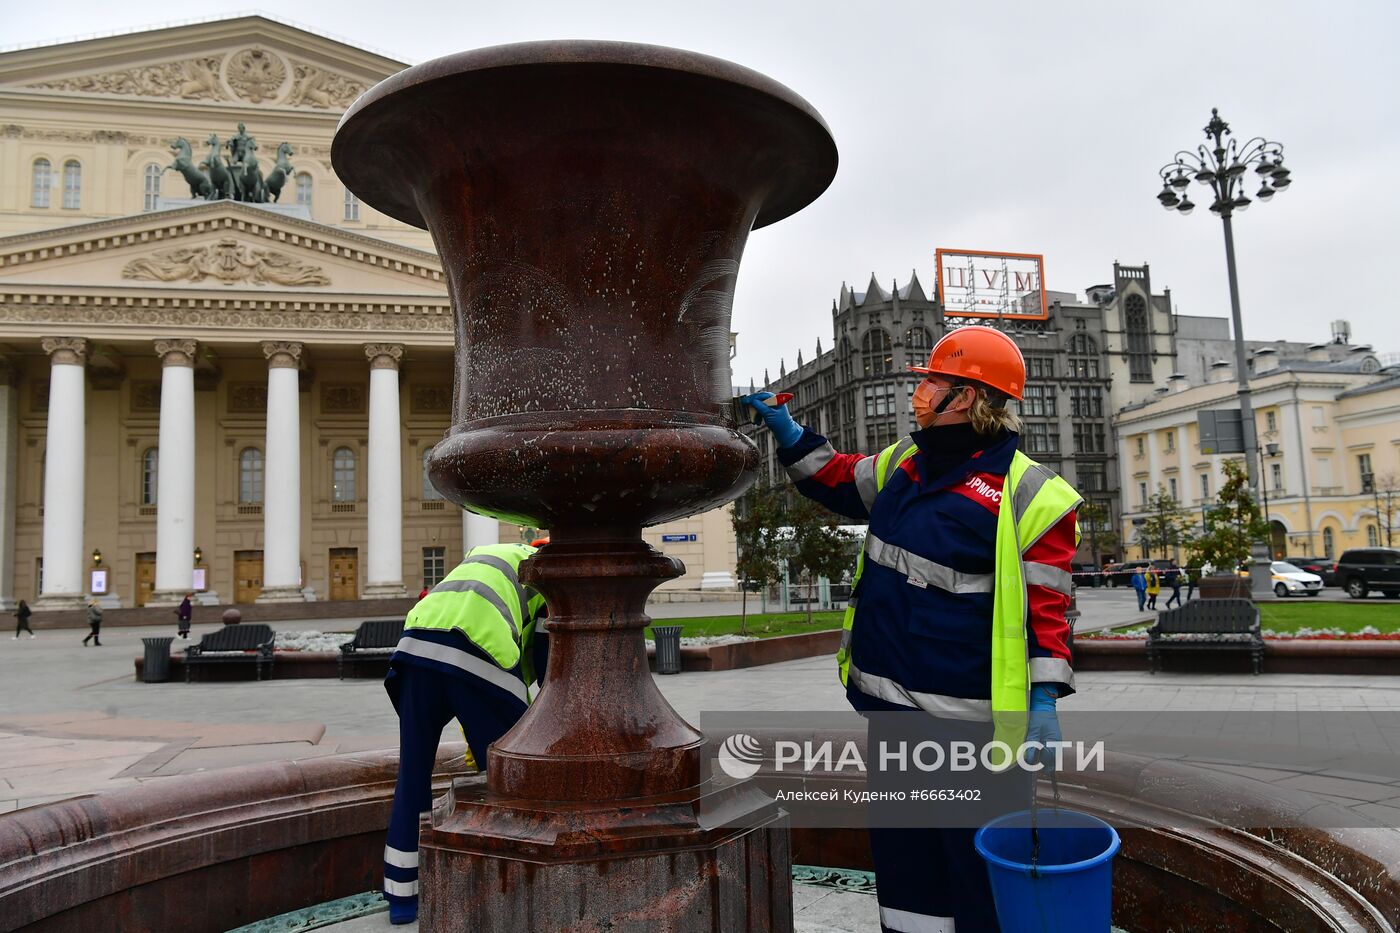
{"type": "Point", "coordinates": [1290, 580]}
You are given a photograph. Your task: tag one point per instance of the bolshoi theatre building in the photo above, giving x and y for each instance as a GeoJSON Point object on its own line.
{"type": "Point", "coordinates": [219, 372]}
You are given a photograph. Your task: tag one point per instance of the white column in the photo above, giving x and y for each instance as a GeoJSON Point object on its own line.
{"type": "Point", "coordinates": [478, 530]}
{"type": "Point", "coordinates": [175, 474]}
{"type": "Point", "coordinates": [282, 476]}
{"type": "Point", "coordinates": [384, 577]}
{"type": "Point", "coordinates": [64, 475]}
{"type": "Point", "coordinates": [9, 466]}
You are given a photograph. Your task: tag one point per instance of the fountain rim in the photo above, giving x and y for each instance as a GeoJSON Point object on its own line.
{"type": "Point", "coordinates": [578, 52]}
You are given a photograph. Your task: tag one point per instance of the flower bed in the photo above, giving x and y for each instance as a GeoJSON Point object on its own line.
{"type": "Point", "coordinates": [1365, 633]}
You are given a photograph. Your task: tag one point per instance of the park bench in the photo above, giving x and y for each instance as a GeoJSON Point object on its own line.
{"type": "Point", "coordinates": [233, 644]}
{"type": "Point", "coordinates": [375, 638]}
{"type": "Point", "coordinates": [1207, 624]}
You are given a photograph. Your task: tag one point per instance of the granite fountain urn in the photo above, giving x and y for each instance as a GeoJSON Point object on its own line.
{"type": "Point", "coordinates": [591, 202]}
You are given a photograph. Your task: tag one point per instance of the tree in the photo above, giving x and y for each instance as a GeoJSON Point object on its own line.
{"type": "Point", "coordinates": [819, 547]}
{"type": "Point", "coordinates": [1386, 489]}
{"type": "Point", "coordinates": [758, 520]}
{"type": "Point", "coordinates": [1232, 525]}
{"type": "Point", "coordinates": [1167, 523]}
{"type": "Point", "coordinates": [1095, 522]}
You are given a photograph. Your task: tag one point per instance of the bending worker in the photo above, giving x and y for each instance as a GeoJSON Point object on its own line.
{"type": "Point", "coordinates": [469, 650]}
{"type": "Point", "coordinates": [958, 603]}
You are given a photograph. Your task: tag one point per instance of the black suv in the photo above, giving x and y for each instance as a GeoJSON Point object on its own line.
{"type": "Point", "coordinates": [1363, 569]}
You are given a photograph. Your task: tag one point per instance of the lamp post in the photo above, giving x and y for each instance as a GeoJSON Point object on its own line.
{"type": "Point", "coordinates": [1270, 451]}
{"type": "Point", "coordinates": [1221, 165]}
{"type": "Point", "coordinates": [1369, 479]}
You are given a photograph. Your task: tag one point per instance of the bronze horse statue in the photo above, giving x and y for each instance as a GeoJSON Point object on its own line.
{"type": "Point", "coordinates": [251, 186]}
{"type": "Point", "coordinates": [281, 171]}
{"type": "Point", "coordinates": [200, 186]}
{"type": "Point", "coordinates": [225, 182]}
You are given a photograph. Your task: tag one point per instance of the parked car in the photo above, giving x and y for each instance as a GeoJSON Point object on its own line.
{"type": "Point", "coordinates": [1361, 570]}
{"type": "Point", "coordinates": [1290, 580]}
{"type": "Point", "coordinates": [1324, 567]}
{"type": "Point", "coordinates": [1086, 574]}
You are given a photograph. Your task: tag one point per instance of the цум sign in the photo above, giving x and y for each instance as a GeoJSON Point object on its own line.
{"type": "Point", "coordinates": [995, 285]}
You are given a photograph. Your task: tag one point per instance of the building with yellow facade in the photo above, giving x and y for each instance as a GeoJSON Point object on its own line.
{"type": "Point", "coordinates": [212, 395]}
{"type": "Point", "coordinates": [1328, 426]}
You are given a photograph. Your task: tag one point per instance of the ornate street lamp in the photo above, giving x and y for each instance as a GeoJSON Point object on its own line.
{"type": "Point", "coordinates": [1223, 165]}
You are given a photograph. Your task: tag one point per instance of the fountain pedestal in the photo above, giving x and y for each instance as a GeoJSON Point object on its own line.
{"type": "Point", "coordinates": [591, 202]}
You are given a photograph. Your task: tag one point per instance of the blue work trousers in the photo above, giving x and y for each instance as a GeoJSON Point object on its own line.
{"type": "Point", "coordinates": [426, 701]}
{"type": "Point", "coordinates": [929, 878]}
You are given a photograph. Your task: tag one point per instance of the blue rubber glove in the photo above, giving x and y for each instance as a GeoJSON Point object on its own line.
{"type": "Point", "coordinates": [785, 431]}
{"type": "Point", "coordinates": [1043, 725]}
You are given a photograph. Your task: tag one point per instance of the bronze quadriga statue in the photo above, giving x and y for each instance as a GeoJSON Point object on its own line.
{"type": "Point", "coordinates": [591, 202]}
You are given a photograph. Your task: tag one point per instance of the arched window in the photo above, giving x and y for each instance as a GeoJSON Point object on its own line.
{"type": "Point", "coordinates": [877, 355]}
{"type": "Point", "coordinates": [150, 473]}
{"type": "Point", "coordinates": [429, 490]}
{"type": "Point", "coordinates": [1373, 536]}
{"type": "Point", "coordinates": [917, 344]}
{"type": "Point", "coordinates": [343, 475]}
{"type": "Point", "coordinates": [72, 185]}
{"type": "Point", "coordinates": [42, 181]}
{"type": "Point", "coordinates": [352, 205]}
{"type": "Point", "coordinates": [1083, 357]}
{"type": "Point", "coordinates": [304, 188]}
{"type": "Point", "coordinates": [1139, 340]}
{"type": "Point", "coordinates": [847, 358]}
{"type": "Point", "coordinates": [250, 476]}
{"type": "Point", "coordinates": [151, 190]}
{"type": "Point", "coordinates": [1329, 544]}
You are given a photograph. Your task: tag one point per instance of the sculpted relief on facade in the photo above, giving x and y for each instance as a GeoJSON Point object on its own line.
{"type": "Point", "coordinates": [248, 75]}
{"type": "Point", "coordinates": [228, 261]}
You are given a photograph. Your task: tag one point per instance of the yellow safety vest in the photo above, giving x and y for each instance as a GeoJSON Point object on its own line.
{"type": "Point", "coordinates": [1039, 499]}
{"type": "Point", "coordinates": [484, 599]}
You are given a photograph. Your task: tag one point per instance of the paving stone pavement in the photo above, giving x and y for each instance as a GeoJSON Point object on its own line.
{"type": "Point", "coordinates": [74, 720]}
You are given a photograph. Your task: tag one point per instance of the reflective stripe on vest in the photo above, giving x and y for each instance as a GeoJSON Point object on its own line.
{"type": "Point", "coordinates": [921, 570]}
{"type": "Point", "coordinates": [482, 598]}
{"type": "Point", "coordinates": [812, 464]}
{"type": "Point", "coordinates": [1039, 499]}
{"type": "Point", "coordinates": [446, 654]}
{"type": "Point", "coordinates": [943, 706]}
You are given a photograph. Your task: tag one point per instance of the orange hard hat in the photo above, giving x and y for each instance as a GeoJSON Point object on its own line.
{"type": "Point", "coordinates": [979, 354]}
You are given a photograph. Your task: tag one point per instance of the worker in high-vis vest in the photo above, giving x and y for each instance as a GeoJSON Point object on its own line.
{"type": "Point", "coordinates": [958, 602]}
{"type": "Point", "coordinates": [470, 650]}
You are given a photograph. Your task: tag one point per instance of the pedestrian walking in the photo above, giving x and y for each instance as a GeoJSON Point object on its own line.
{"type": "Point", "coordinates": [94, 623]}
{"type": "Point", "coordinates": [1173, 580]}
{"type": "Point", "coordinates": [22, 615]}
{"type": "Point", "coordinates": [1140, 587]}
{"type": "Point", "coordinates": [1154, 586]}
{"type": "Point", "coordinates": [1190, 582]}
{"type": "Point", "coordinates": [185, 613]}
{"type": "Point", "coordinates": [423, 592]}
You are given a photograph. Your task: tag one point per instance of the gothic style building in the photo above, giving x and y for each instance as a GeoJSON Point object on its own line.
{"type": "Point", "coordinates": [233, 395]}
{"type": "Point", "coordinates": [1084, 362]}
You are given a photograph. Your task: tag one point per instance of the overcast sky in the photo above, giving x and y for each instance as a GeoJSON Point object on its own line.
{"type": "Point", "coordinates": [1014, 126]}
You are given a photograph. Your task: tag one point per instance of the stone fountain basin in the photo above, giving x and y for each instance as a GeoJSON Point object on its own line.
{"type": "Point", "coordinates": [213, 851]}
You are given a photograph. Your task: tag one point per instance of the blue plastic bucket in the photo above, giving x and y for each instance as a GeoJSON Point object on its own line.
{"type": "Point", "coordinates": [1072, 888]}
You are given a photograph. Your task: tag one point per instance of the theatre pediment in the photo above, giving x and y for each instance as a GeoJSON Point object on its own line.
{"type": "Point", "coordinates": [247, 61]}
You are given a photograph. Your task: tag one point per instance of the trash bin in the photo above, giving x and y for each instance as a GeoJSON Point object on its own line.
{"type": "Point", "coordinates": [668, 648]}
{"type": "Point", "coordinates": [156, 668]}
